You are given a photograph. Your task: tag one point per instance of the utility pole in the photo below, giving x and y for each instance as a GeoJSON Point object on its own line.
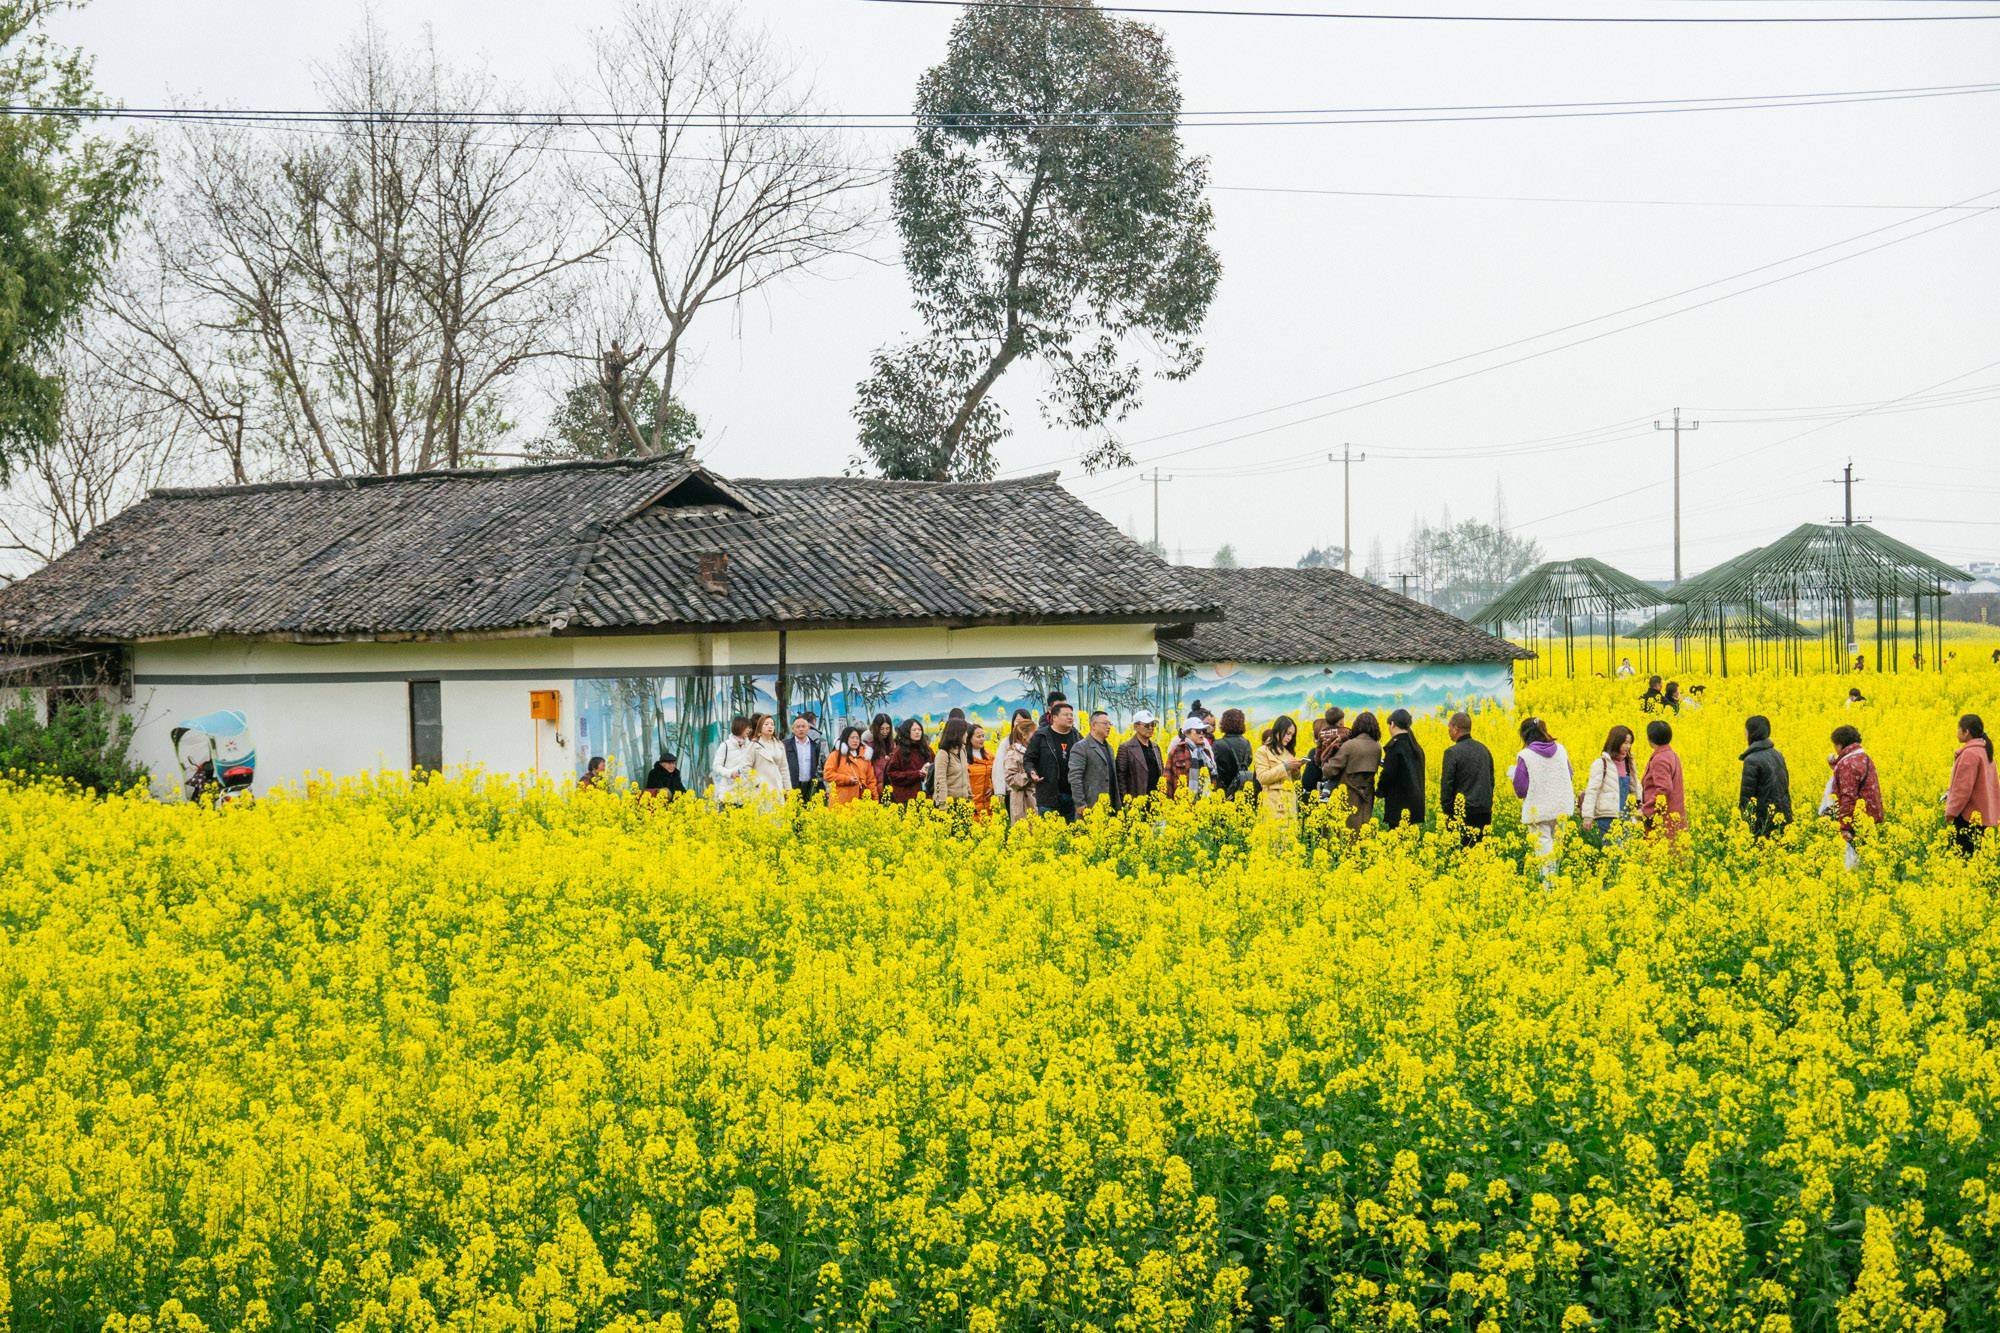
{"type": "Point", "coordinates": [1846, 481]}
{"type": "Point", "coordinates": [1156, 479]}
{"type": "Point", "coordinates": [1677, 427]}
{"type": "Point", "coordinates": [1347, 458]}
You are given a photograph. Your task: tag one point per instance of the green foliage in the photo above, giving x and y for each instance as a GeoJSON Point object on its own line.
{"type": "Point", "coordinates": [62, 194]}
{"type": "Point", "coordinates": [1225, 557]}
{"type": "Point", "coordinates": [1322, 557]}
{"type": "Point", "coordinates": [584, 426]}
{"type": "Point", "coordinates": [1048, 214]}
{"type": "Point", "coordinates": [85, 743]}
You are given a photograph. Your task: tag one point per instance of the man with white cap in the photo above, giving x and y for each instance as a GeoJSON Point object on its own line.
{"type": "Point", "coordinates": [1139, 763]}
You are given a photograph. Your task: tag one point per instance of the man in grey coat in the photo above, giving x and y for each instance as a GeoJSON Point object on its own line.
{"type": "Point", "coordinates": [1093, 769]}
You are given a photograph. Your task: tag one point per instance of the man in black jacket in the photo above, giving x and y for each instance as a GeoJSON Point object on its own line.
{"type": "Point", "coordinates": [1465, 781]}
{"type": "Point", "coordinates": [1400, 788]}
{"type": "Point", "coordinates": [805, 756]}
{"type": "Point", "coordinates": [1766, 797]}
{"type": "Point", "coordinates": [1047, 760]}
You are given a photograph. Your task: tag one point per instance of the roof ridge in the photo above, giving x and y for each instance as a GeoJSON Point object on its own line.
{"type": "Point", "coordinates": [1035, 480]}
{"type": "Point", "coordinates": [358, 482]}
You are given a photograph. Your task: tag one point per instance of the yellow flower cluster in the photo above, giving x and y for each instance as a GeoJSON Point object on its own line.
{"type": "Point", "coordinates": [456, 1054]}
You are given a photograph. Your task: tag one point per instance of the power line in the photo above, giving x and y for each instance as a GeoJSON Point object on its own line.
{"type": "Point", "coordinates": [1569, 199]}
{"type": "Point", "coordinates": [876, 168]}
{"type": "Point", "coordinates": [1090, 119]}
{"type": "Point", "coordinates": [1360, 16]}
{"type": "Point", "coordinates": [1595, 437]}
{"type": "Point", "coordinates": [1547, 333]}
{"type": "Point", "coordinates": [1763, 448]}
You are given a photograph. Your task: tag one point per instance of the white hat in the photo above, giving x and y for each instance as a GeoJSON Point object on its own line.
{"type": "Point", "coordinates": [1143, 718]}
{"type": "Point", "coordinates": [1195, 723]}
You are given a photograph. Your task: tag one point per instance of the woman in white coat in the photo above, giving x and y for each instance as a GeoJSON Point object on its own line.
{"type": "Point", "coordinates": [1612, 784]}
{"type": "Point", "coordinates": [1546, 785]}
{"type": "Point", "coordinates": [733, 758]}
{"type": "Point", "coordinates": [771, 777]}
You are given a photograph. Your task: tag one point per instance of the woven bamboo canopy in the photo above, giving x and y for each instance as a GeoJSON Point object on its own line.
{"type": "Point", "coordinates": [1831, 573]}
{"type": "Point", "coordinates": [1697, 620]}
{"type": "Point", "coordinates": [1568, 599]}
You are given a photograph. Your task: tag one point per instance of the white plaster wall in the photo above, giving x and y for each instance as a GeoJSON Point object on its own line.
{"type": "Point", "coordinates": [297, 729]}
{"type": "Point", "coordinates": [486, 724]}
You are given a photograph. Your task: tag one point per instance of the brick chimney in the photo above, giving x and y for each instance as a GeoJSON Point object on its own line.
{"type": "Point", "coordinates": [713, 571]}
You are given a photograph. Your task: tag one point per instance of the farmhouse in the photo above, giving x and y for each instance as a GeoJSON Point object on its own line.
{"type": "Point", "coordinates": [528, 619]}
{"type": "Point", "coordinates": [1300, 639]}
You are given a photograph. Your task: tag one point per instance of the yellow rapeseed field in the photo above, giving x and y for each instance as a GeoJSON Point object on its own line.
{"type": "Point", "coordinates": [462, 1055]}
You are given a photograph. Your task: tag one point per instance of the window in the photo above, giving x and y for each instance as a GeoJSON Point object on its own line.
{"type": "Point", "coordinates": [426, 726]}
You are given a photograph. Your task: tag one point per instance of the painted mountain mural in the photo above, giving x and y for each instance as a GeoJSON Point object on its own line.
{"type": "Point", "coordinates": [1421, 687]}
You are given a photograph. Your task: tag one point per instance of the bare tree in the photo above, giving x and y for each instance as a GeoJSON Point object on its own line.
{"type": "Point", "coordinates": [114, 442]}
{"type": "Point", "coordinates": [211, 382]}
{"type": "Point", "coordinates": [371, 285]}
{"type": "Point", "coordinates": [716, 180]}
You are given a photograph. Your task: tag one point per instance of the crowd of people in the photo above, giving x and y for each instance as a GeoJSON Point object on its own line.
{"type": "Point", "coordinates": [1051, 765]}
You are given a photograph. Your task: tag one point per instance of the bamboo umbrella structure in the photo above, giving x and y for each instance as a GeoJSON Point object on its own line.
{"type": "Point", "coordinates": [1567, 599]}
{"type": "Point", "coordinates": [1709, 622]}
{"type": "Point", "coordinates": [1830, 573]}
{"type": "Point", "coordinates": [1712, 607]}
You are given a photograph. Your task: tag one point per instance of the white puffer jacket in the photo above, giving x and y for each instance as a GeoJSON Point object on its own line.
{"type": "Point", "coordinates": [1600, 790]}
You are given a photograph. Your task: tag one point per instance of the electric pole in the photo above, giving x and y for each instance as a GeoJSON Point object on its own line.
{"type": "Point", "coordinates": [1677, 427]}
{"type": "Point", "coordinates": [1846, 481]}
{"type": "Point", "coordinates": [1347, 458]}
{"type": "Point", "coordinates": [1156, 479]}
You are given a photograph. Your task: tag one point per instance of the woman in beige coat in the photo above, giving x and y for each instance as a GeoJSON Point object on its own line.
{"type": "Point", "coordinates": [951, 774]}
{"type": "Point", "coordinates": [1010, 770]}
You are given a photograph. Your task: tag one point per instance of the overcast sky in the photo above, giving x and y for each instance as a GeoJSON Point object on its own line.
{"type": "Point", "coordinates": [1325, 291]}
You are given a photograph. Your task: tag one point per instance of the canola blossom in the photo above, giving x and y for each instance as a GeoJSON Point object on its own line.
{"type": "Point", "coordinates": [462, 1054]}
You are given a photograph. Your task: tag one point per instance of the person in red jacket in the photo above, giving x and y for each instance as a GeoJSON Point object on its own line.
{"type": "Point", "coordinates": [1663, 788]}
{"type": "Point", "coordinates": [1854, 782]}
{"type": "Point", "coordinates": [1973, 803]}
{"type": "Point", "coordinates": [909, 762]}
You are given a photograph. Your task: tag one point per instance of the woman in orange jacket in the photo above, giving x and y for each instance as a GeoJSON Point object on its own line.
{"type": "Point", "coordinates": [849, 773]}
{"type": "Point", "coordinates": [979, 766]}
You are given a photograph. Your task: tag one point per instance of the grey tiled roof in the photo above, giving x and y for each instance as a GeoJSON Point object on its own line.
{"type": "Point", "coordinates": [589, 546]}
{"type": "Point", "coordinates": [1290, 616]}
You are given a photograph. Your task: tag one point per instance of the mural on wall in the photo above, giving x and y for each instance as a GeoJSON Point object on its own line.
{"type": "Point", "coordinates": [631, 720]}
{"type": "Point", "coordinates": [1266, 691]}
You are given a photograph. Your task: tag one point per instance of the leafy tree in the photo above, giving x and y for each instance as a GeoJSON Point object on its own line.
{"type": "Point", "coordinates": [1322, 557]}
{"type": "Point", "coordinates": [62, 194]}
{"type": "Point", "coordinates": [84, 743]}
{"type": "Point", "coordinates": [585, 425]}
{"type": "Point", "coordinates": [1048, 213]}
{"type": "Point", "coordinates": [1225, 558]}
